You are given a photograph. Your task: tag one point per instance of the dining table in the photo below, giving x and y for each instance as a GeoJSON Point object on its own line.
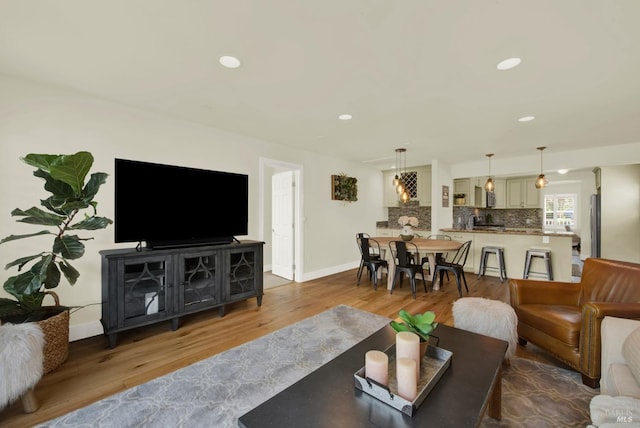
{"type": "Point", "coordinates": [426, 247]}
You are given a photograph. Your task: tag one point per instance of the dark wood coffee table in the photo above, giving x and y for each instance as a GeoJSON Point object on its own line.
{"type": "Point", "coordinates": [327, 397]}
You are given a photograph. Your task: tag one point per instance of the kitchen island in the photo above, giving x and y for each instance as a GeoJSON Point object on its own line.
{"type": "Point", "coordinates": [516, 242]}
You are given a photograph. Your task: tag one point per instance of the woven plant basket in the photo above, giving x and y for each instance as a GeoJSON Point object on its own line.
{"type": "Point", "coordinates": [56, 335]}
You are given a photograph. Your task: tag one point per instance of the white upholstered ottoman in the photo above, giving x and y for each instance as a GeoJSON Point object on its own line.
{"type": "Point", "coordinates": [488, 317]}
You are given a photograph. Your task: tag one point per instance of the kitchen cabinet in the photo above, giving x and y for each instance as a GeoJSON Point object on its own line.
{"type": "Point", "coordinates": [462, 186]}
{"type": "Point", "coordinates": [479, 194]}
{"type": "Point", "coordinates": [501, 192]}
{"type": "Point", "coordinates": [473, 189]}
{"type": "Point", "coordinates": [522, 193]}
{"type": "Point", "coordinates": [424, 186]}
{"type": "Point", "coordinates": [388, 189]}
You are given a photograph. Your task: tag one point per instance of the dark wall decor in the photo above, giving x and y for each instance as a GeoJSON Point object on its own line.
{"type": "Point", "coordinates": [344, 188]}
{"type": "Point", "coordinates": [445, 196]}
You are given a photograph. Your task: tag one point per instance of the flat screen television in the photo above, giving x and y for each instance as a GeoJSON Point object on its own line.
{"type": "Point", "coordinates": [175, 206]}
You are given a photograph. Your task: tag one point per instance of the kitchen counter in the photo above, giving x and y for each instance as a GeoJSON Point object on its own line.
{"type": "Point", "coordinates": [486, 229]}
{"type": "Point", "coordinates": [516, 242]}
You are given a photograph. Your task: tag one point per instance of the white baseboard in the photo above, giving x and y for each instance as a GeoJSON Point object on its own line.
{"type": "Point", "coordinates": [82, 331]}
{"type": "Point", "coordinates": [328, 271]}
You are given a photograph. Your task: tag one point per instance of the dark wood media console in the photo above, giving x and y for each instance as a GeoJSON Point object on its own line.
{"type": "Point", "coordinates": [149, 286]}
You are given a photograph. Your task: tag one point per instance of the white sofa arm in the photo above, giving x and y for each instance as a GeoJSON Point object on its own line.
{"type": "Point", "coordinates": [613, 333]}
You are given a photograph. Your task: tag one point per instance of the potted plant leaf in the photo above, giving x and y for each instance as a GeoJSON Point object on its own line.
{"type": "Point", "coordinates": [64, 178]}
{"type": "Point", "coordinates": [420, 324]}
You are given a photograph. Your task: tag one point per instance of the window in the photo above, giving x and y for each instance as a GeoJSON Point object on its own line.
{"type": "Point", "coordinates": [560, 211]}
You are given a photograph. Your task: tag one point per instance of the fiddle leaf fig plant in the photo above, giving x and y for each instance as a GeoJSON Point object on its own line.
{"type": "Point", "coordinates": [70, 197]}
{"type": "Point", "coordinates": [420, 324]}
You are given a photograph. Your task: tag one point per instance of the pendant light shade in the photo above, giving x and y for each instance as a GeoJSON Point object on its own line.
{"type": "Point", "coordinates": [489, 186]}
{"type": "Point", "coordinates": [541, 181]}
{"type": "Point", "coordinates": [404, 197]}
{"type": "Point", "coordinates": [396, 179]}
{"type": "Point", "coordinates": [401, 188]}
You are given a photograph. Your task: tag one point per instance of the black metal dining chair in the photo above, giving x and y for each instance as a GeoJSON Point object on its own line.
{"type": "Point", "coordinates": [455, 266]}
{"type": "Point", "coordinates": [370, 258]}
{"type": "Point", "coordinates": [402, 253]}
{"type": "Point", "coordinates": [439, 256]}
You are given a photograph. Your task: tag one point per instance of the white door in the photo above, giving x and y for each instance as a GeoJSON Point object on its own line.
{"type": "Point", "coordinates": [282, 207]}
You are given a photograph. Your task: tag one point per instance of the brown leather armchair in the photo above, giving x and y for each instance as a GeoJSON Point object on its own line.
{"type": "Point", "coordinates": [564, 318]}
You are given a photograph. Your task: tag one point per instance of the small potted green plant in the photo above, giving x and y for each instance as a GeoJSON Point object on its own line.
{"type": "Point", "coordinates": [420, 324]}
{"type": "Point", "coordinates": [64, 178]}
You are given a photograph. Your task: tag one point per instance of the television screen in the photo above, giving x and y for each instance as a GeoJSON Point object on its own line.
{"type": "Point", "coordinates": [166, 205]}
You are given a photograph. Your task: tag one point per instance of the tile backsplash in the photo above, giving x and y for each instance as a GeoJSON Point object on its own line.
{"type": "Point", "coordinates": [411, 209]}
{"type": "Point", "coordinates": [522, 218]}
{"type": "Point", "coordinates": [528, 218]}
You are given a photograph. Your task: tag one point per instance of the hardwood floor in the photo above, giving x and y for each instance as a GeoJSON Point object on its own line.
{"type": "Point", "coordinates": [93, 371]}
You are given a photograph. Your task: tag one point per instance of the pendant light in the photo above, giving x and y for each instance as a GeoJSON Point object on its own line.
{"type": "Point", "coordinates": [489, 186]}
{"type": "Point", "coordinates": [397, 180]}
{"type": "Point", "coordinates": [541, 181]}
{"type": "Point", "coordinates": [404, 195]}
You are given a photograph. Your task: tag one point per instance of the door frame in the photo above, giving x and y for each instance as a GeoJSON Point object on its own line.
{"type": "Point", "coordinates": [265, 206]}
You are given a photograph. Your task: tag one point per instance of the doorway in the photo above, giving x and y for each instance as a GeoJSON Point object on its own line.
{"type": "Point", "coordinates": [280, 217]}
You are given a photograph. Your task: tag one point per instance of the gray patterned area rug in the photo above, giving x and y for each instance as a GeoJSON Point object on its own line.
{"type": "Point", "coordinates": [215, 392]}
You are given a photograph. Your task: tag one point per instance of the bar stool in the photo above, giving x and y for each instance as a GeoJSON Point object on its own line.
{"type": "Point", "coordinates": [499, 252]}
{"type": "Point", "coordinates": [542, 253]}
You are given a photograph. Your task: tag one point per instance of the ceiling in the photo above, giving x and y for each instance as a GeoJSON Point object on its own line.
{"type": "Point", "coordinates": [419, 74]}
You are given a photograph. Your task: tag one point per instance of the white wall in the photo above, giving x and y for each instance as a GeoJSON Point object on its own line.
{"type": "Point", "coordinates": [42, 119]}
{"type": "Point", "coordinates": [441, 217]}
{"type": "Point", "coordinates": [620, 199]}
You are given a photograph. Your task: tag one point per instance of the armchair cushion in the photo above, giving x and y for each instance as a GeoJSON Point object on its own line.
{"type": "Point", "coordinates": [631, 353]}
{"type": "Point", "coordinates": [558, 321]}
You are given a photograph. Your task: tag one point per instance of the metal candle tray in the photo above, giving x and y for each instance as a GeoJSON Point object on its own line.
{"type": "Point", "coordinates": [434, 363]}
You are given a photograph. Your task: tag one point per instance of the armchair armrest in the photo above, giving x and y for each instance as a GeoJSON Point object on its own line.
{"type": "Point", "coordinates": [525, 291]}
{"type": "Point", "coordinates": [590, 332]}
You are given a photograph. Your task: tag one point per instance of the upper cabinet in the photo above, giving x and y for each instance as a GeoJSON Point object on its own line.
{"type": "Point", "coordinates": [476, 196]}
{"type": "Point", "coordinates": [501, 192]}
{"type": "Point", "coordinates": [424, 185]}
{"type": "Point", "coordinates": [462, 186]}
{"type": "Point", "coordinates": [473, 191]}
{"type": "Point", "coordinates": [419, 181]}
{"type": "Point", "coordinates": [389, 190]}
{"type": "Point", "coordinates": [522, 193]}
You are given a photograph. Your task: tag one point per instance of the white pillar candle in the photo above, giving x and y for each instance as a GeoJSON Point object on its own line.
{"type": "Point", "coordinates": [376, 366]}
{"type": "Point", "coordinates": [407, 380]}
{"type": "Point", "coordinates": [408, 346]}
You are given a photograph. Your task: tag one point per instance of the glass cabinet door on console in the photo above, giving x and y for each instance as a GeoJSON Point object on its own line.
{"type": "Point", "coordinates": [199, 275]}
{"type": "Point", "coordinates": [143, 289]}
{"type": "Point", "coordinates": [245, 273]}
{"type": "Point", "coordinates": [136, 290]}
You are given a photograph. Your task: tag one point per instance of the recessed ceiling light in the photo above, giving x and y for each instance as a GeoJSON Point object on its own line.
{"type": "Point", "coordinates": [526, 118]}
{"type": "Point", "coordinates": [508, 64]}
{"type": "Point", "coordinates": [563, 171]}
{"type": "Point", "coordinates": [229, 61]}
{"type": "Point", "coordinates": [345, 116]}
